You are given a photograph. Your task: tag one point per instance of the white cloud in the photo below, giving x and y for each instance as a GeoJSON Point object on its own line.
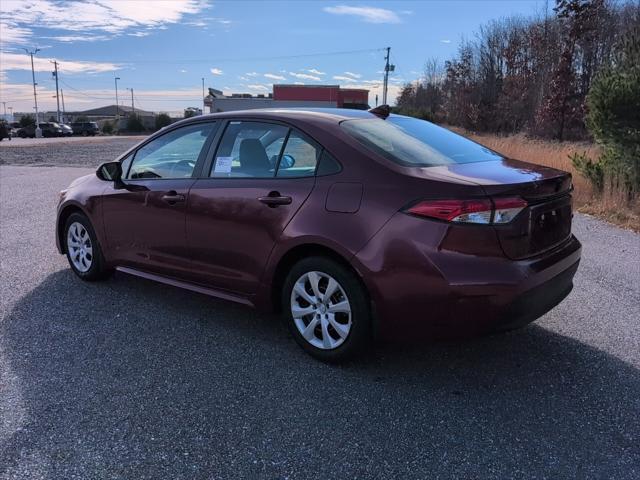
{"type": "Point", "coordinates": [216, 71]}
{"type": "Point", "coordinates": [12, 34]}
{"type": "Point", "coordinates": [262, 88]}
{"type": "Point", "coordinates": [445, 41]}
{"type": "Point", "coordinates": [251, 74]}
{"type": "Point", "coordinates": [305, 76]}
{"type": "Point", "coordinates": [354, 75]}
{"type": "Point", "coordinates": [298, 83]}
{"type": "Point", "coordinates": [316, 71]}
{"type": "Point", "coordinates": [182, 70]}
{"type": "Point", "coordinates": [244, 79]}
{"type": "Point", "coordinates": [92, 17]}
{"type": "Point", "coordinates": [14, 61]}
{"type": "Point", "coordinates": [367, 14]}
{"type": "Point", "coordinates": [343, 78]}
{"type": "Point", "coordinates": [273, 76]}
{"type": "Point", "coordinates": [79, 38]}
{"type": "Point", "coordinates": [139, 34]}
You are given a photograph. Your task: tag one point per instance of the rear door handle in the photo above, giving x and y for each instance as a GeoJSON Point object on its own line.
{"type": "Point", "coordinates": [172, 197]}
{"type": "Point", "coordinates": [274, 199]}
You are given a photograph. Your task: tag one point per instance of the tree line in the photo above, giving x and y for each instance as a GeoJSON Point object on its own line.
{"type": "Point", "coordinates": [525, 74]}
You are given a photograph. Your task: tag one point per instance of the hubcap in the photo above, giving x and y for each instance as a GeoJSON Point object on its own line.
{"type": "Point", "coordinates": [320, 310]}
{"type": "Point", "coordinates": [79, 246]}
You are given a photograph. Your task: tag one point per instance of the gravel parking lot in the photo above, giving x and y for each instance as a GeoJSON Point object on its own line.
{"type": "Point", "coordinates": [132, 379]}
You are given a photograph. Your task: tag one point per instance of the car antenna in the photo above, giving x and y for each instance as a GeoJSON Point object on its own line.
{"type": "Point", "coordinates": [381, 111]}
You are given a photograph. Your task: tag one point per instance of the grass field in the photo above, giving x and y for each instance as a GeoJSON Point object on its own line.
{"type": "Point", "coordinates": [611, 205]}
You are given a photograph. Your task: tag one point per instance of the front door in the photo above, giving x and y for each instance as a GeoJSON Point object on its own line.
{"type": "Point", "coordinates": [260, 176]}
{"type": "Point", "coordinates": [145, 222]}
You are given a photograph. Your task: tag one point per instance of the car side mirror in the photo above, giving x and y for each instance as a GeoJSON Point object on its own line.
{"type": "Point", "coordinates": [110, 172]}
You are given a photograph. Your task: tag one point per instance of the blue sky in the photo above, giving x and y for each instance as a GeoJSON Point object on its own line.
{"type": "Point", "coordinates": [162, 49]}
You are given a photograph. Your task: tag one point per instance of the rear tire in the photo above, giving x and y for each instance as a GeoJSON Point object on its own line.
{"type": "Point", "coordinates": [83, 250]}
{"type": "Point", "coordinates": [326, 309]}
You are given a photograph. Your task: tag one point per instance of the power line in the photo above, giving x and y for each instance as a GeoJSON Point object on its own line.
{"type": "Point", "coordinates": [248, 59]}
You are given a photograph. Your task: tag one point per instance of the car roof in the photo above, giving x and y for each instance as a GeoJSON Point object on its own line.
{"type": "Point", "coordinates": [335, 114]}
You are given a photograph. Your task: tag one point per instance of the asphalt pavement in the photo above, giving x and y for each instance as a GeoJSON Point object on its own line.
{"type": "Point", "coordinates": [131, 379]}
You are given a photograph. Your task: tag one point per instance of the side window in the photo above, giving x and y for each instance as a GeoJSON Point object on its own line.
{"type": "Point", "coordinates": [299, 158]}
{"type": "Point", "coordinates": [126, 163]}
{"type": "Point", "coordinates": [328, 165]}
{"type": "Point", "coordinates": [249, 149]}
{"type": "Point", "coordinates": [173, 155]}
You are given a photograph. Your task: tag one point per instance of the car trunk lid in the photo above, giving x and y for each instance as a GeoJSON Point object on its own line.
{"type": "Point", "coordinates": [544, 223]}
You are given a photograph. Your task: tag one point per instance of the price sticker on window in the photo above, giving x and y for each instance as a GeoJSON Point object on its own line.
{"type": "Point", "coordinates": [223, 165]}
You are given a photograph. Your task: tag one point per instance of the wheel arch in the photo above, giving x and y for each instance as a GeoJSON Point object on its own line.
{"type": "Point", "coordinates": [297, 253]}
{"type": "Point", "coordinates": [64, 214]}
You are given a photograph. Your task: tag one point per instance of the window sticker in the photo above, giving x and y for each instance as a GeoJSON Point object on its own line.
{"type": "Point", "coordinates": [223, 165]}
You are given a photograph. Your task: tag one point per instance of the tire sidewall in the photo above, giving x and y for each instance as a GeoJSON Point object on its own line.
{"type": "Point", "coordinates": [96, 271]}
{"type": "Point", "coordinates": [360, 333]}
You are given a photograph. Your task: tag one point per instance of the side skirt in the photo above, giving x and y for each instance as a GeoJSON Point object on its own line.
{"type": "Point", "coordinates": [187, 286]}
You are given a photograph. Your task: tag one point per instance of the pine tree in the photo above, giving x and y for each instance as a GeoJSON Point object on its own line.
{"type": "Point", "coordinates": [614, 112]}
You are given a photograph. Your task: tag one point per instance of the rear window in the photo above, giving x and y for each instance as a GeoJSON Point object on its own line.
{"type": "Point", "coordinates": [416, 143]}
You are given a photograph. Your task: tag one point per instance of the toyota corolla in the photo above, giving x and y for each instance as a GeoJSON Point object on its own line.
{"type": "Point", "coordinates": [354, 224]}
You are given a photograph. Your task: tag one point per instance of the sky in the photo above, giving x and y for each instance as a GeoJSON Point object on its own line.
{"type": "Point", "coordinates": [162, 49]}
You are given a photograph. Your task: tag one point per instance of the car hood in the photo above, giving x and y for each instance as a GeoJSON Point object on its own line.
{"type": "Point", "coordinates": [81, 180]}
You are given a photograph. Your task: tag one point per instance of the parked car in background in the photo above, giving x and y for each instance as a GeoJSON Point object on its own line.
{"type": "Point", "coordinates": [85, 128]}
{"type": "Point", "coordinates": [49, 129]}
{"type": "Point", "coordinates": [5, 130]}
{"type": "Point", "coordinates": [67, 131]}
{"type": "Point", "coordinates": [354, 224]}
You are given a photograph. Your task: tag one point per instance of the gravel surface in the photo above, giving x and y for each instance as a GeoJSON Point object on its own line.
{"type": "Point", "coordinates": [71, 151]}
{"type": "Point", "coordinates": [132, 379]}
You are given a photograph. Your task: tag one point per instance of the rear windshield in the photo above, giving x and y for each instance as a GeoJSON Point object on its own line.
{"type": "Point", "coordinates": [416, 143]}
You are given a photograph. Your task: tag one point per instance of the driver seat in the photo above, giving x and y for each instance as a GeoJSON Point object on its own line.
{"type": "Point", "coordinates": [253, 158]}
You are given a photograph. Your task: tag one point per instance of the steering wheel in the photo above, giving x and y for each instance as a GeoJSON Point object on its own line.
{"type": "Point", "coordinates": [186, 166]}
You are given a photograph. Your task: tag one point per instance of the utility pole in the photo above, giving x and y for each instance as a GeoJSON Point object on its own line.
{"type": "Point", "coordinates": [133, 108]}
{"type": "Point", "coordinates": [203, 106]}
{"type": "Point", "coordinates": [387, 68]}
{"type": "Point", "coordinates": [55, 74]}
{"type": "Point", "coordinates": [64, 114]}
{"type": "Point", "coordinates": [4, 104]}
{"type": "Point", "coordinates": [38, 131]}
{"type": "Point", "coordinates": [117, 105]}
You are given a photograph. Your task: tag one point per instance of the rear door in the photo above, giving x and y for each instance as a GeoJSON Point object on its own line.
{"type": "Point", "coordinates": [145, 222]}
{"type": "Point", "coordinates": [259, 177]}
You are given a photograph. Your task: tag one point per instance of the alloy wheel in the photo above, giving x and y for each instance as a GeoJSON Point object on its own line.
{"type": "Point", "coordinates": [321, 311]}
{"type": "Point", "coordinates": [80, 247]}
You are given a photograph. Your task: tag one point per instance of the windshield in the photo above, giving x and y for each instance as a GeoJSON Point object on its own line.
{"type": "Point", "coordinates": [416, 143]}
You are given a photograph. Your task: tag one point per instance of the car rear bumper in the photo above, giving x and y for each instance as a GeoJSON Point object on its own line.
{"type": "Point", "coordinates": [420, 291]}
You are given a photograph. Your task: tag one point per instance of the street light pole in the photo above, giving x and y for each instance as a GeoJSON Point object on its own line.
{"type": "Point", "coordinates": [117, 105]}
{"type": "Point", "coordinates": [55, 74]}
{"type": "Point", "coordinates": [133, 108]}
{"type": "Point", "coordinates": [38, 131]}
{"type": "Point", "coordinates": [203, 105]}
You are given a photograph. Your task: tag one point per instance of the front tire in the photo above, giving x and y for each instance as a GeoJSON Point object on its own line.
{"type": "Point", "coordinates": [326, 309]}
{"type": "Point", "coordinates": [83, 250]}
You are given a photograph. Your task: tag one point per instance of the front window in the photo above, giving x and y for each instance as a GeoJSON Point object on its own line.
{"type": "Point", "coordinates": [172, 155]}
{"type": "Point", "coordinates": [416, 143]}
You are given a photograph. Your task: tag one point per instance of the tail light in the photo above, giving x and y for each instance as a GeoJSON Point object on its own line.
{"type": "Point", "coordinates": [479, 211]}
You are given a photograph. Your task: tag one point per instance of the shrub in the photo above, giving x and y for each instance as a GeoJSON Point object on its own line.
{"type": "Point", "coordinates": [107, 128]}
{"type": "Point", "coordinates": [134, 124]}
{"type": "Point", "coordinates": [593, 170]}
{"type": "Point", "coordinates": [27, 121]}
{"type": "Point", "coordinates": [162, 120]}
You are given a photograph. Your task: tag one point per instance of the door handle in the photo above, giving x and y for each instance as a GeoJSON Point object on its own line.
{"type": "Point", "coordinates": [172, 197]}
{"type": "Point", "coordinates": [274, 199]}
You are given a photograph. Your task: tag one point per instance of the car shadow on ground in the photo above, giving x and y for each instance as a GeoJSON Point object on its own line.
{"type": "Point", "coordinates": [131, 378]}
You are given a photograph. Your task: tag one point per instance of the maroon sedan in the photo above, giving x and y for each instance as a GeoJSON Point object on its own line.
{"type": "Point", "coordinates": [354, 224]}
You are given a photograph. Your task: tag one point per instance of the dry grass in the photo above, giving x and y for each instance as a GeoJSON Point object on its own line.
{"type": "Point", "coordinates": [611, 205]}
